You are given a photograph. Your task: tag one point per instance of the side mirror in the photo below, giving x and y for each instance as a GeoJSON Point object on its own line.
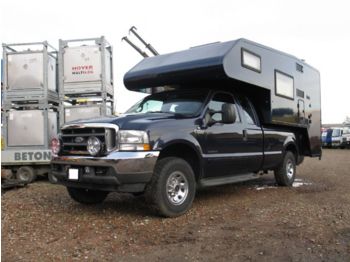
{"type": "Point", "coordinates": [228, 113]}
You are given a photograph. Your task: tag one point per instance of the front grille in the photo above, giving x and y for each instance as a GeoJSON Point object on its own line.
{"type": "Point", "coordinates": [74, 140]}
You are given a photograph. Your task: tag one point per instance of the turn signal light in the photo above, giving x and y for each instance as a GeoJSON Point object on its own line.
{"type": "Point", "coordinates": [146, 147]}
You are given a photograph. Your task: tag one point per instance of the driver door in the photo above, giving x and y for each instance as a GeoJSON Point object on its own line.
{"type": "Point", "coordinates": [224, 145]}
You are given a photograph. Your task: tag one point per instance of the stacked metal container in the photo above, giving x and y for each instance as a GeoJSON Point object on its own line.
{"type": "Point", "coordinates": [85, 79]}
{"type": "Point", "coordinates": [30, 106]}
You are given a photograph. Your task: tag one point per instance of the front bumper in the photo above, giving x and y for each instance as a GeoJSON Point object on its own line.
{"type": "Point", "coordinates": [346, 143]}
{"type": "Point", "coordinates": [119, 171]}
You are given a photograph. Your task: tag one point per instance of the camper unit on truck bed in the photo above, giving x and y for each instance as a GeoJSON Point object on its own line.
{"type": "Point", "coordinates": [284, 89]}
{"type": "Point", "coordinates": [228, 112]}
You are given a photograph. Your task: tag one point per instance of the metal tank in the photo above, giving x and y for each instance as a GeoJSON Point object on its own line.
{"type": "Point", "coordinates": [85, 66]}
{"type": "Point", "coordinates": [72, 113]}
{"type": "Point", "coordinates": [30, 71]}
{"type": "Point", "coordinates": [30, 128]}
{"type": "Point", "coordinates": [85, 74]}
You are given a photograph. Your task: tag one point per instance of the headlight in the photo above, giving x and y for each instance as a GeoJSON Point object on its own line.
{"type": "Point", "coordinates": [133, 140]}
{"type": "Point", "coordinates": [55, 146]}
{"type": "Point", "coordinates": [93, 145]}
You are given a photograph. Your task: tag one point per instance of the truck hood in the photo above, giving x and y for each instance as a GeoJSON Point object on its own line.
{"type": "Point", "coordinates": [132, 121]}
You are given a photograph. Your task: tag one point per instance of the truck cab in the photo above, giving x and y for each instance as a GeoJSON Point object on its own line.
{"type": "Point", "coordinates": [345, 138]}
{"type": "Point", "coordinates": [204, 128]}
{"type": "Point", "coordinates": [337, 137]}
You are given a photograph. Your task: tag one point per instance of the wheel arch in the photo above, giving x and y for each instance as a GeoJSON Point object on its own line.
{"type": "Point", "coordinates": [185, 150]}
{"type": "Point", "coordinates": [291, 145]}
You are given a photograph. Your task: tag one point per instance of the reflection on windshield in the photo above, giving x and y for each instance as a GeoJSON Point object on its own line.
{"type": "Point", "coordinates": [170, 102]}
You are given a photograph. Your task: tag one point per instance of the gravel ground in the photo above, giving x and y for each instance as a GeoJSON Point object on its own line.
{"type": "Point", "coordinates": [253, 221]}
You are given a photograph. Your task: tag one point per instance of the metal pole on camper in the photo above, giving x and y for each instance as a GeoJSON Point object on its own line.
{"type": "Point", "coordinates": [148, 46]}
{"type": "Point", "coordinates": [134, 46]}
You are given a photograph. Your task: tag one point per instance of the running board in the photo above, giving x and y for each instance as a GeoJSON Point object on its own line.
{"type": "Point", "coordinates": [206, 182]}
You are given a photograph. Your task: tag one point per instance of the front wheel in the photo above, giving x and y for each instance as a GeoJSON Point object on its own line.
{"type": "Point", "coordinates": [87, 196]}
{"type": "Point", "coordinates": [285, 173]}
{"type": "Point", "coordinates": [172, 188]}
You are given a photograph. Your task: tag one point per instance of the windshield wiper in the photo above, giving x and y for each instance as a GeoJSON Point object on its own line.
{"type": "Point", "coordinates": [173, 113]}
{"type": "Point", "coordinates": [164, 112]}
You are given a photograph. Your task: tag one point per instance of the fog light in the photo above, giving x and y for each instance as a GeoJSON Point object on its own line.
{"type": "Point", "coordinates": [93, 145]}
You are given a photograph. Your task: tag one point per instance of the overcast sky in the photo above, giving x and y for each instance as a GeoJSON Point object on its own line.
{"type": "Point", "coordinates": [317, 31]}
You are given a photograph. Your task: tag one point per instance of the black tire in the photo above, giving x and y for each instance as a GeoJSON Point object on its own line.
{"type": "Point", "coordinates": [177, 174]}
{"type": "Point", "coordinates": [26, 174]}
{"type": "Point", "coordinates": [87, 196]}
{"type": "Point", "coordinates": [52, 178]}
{"type": "Point", "coordinates": [285, 173]}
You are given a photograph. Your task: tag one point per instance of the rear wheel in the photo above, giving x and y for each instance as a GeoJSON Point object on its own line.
{"type": "Point", "coordinates": [285, 173]}
{"type": "Point", "coordinates": [26, 174]}
{"type": "Point", "coordinates": [87, 196]}
{"type": "Point", "coordinates": [173, 187]}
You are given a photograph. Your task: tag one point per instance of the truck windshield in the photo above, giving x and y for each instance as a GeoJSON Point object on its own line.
{"type": "Point", "coordinates": [336, 132]}
{"type": "Point", "coordinates": [183, 103]}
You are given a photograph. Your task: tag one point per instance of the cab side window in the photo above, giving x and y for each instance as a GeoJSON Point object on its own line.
{"type": "Point", "coordinates": [216, 104]}
{"type": "Point", "coordinates": [248, 112]}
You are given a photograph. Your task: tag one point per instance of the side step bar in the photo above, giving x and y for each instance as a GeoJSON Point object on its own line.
{"type": "Point", "coordinates": [206, 182]}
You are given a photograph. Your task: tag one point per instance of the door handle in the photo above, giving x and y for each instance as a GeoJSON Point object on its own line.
{"type": "Point", "coordinates": [245, 135]}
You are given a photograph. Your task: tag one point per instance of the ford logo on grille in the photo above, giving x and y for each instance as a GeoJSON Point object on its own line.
{"type": "Point", "coordinates": [79, 139]}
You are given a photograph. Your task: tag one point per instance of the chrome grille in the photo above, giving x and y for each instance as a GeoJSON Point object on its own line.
{"type": "Point", "coordinates": [74, 139]}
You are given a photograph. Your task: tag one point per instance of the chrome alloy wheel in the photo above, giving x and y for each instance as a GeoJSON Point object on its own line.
{"type": "Point", "coordinates": [290, 169]}
{"type": "Point", "coordinates": [177, 188]}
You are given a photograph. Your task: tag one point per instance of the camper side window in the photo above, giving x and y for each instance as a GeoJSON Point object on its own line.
{"type": "Point", "coordinates": [284, 85]}
{"type": "Point", "coordinates": [250, 60]}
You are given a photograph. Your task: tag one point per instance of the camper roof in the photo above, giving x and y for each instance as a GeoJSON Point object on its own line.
{"type": "Point", "coordinates": [209, 61]}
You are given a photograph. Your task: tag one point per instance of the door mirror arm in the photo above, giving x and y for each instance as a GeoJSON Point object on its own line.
{"type": "Point", "coordinates": [208, 120]}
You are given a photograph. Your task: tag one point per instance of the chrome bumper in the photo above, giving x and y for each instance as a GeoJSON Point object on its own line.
{"type": "Point", "coordinates": [122, 162]}
{"type": "Point", "coordinates": [121, 168]}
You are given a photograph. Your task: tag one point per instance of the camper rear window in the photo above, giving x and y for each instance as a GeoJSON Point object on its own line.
{"type": "Point", "coordinates": [250, 60]}
{"type": "Point", "coordinates": [284, 85]}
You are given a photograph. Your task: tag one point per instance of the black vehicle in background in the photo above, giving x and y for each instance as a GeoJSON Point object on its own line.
{"type": "Point", "coordinates": [228, 112]}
